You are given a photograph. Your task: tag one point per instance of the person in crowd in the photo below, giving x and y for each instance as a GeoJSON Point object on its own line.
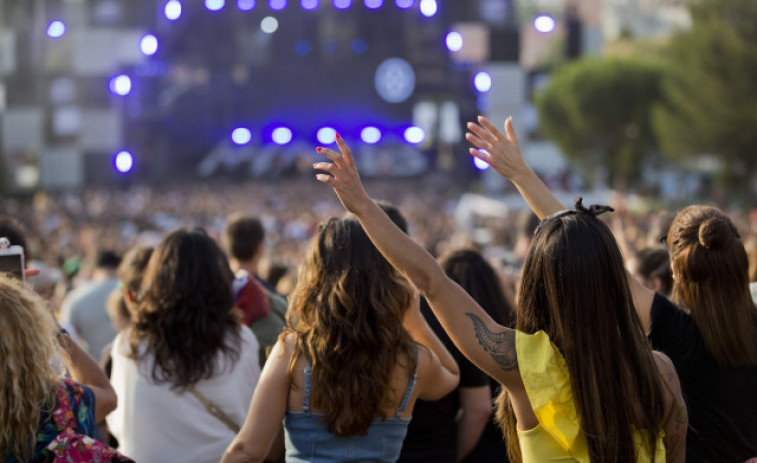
{"type": "Point", "coordinates": [84, 307]}
{"type": "Point", "coordinates": [43, 415]}
{"type": "Point", "coordinates": [347, 370]}
{"type": "Point", "coordinates": [184, 370]}
{"type": "Point", "coordinates": [477, 277]}
{"type": "Point", "coordinates": [582, 381]}
{"type": "Point", "coordinates": [652, 268]}
{"type": "Point", "coordinates": [709, 331]}
{"type": "Point", "coordinates": [261, 308]}
{"type": "Point", "coordinates": [753, 272]}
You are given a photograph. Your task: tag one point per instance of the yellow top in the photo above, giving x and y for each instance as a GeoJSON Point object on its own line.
{"type": "Point", "coordinates": [557, 437]}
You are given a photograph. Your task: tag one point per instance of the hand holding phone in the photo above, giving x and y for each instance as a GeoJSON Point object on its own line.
{"type": "Point", "coordinates": [11, 259]}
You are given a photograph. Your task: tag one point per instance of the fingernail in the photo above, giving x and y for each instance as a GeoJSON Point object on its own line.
{"type": "Point", "coordinates": [338, 136]}
{"type": "Point", "coordinates": [319, 149]}
{"type": "Point", "coordinates": [470, 124]}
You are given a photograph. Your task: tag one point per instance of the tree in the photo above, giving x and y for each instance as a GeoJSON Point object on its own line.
{"type": "Point", "coordinates": [711, 97]}
{"type": "Point", "coordinates": [598, 111]}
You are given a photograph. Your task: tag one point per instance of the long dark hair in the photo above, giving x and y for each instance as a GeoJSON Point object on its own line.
{"type": "Point", "coordinates": [712, 282]}
{"type": "Point", "coordinates": [576, 290]}
{"type": "Point", "coordinates": [184, 317]}
{"type": "Point", "coordinates": [346, 314]}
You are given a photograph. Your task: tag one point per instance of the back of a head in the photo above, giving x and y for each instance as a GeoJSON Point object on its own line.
{"type": "Point", "coordinates": [473, 273]}
{"type": "Point", "coordinates": [655, 263]}
{"type": "Point", "coordinates": [133, 266]}
{"type": "Point", "coordinates": [242, 236]}
{"type": "Point", "coordinates": [107, 260]}
{"type": "Point", "coordinates": [185, 315]}
{"type": "Point", "coordinates": [346, 313]}
{"type": "Point", "coordinates": [27, 347]}
{"type": "Point", "coordinates": [712, 282]}
{"type": "Point", "coordinates": [575, 289]}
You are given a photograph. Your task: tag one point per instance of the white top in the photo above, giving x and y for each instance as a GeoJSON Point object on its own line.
{"type": "Point", "coordinates": [753, 288]}
{"type": "Point", "coordinates": [156, 424]}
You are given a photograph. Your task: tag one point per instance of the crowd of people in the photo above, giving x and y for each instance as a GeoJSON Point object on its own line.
{"type": "Point", "coordinates": [263, 322]}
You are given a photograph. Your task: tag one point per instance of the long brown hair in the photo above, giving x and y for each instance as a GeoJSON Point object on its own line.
{"type": "Point", "coordinates": [575, 289]}
{"type": "Point", "coordinates": [346, 314]}
{"type": "Point", "coordinates": [712, 282]}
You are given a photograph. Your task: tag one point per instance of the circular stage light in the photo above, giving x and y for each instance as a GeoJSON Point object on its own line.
{"type": "Point", "coordinates": [56, 29]}
{"type": "Point", "coordinates": [245, 5]}
{"type": "Point", "coordinates": [414, 135]}
{"type": "Point", "coordinates": [215, 5]}
{"type": "Point", "coordinates": [326, 135]}
{"type": "Point", "coordinates": [172, 10]}
{"type": "Point", "coordinates": [428, 7]}
{"type": "Point", "coordinates": [148, 45]}
{"type": "Point", "coordinates": [120, 85]}
{"type": "Point", "coordinates": [394, 80]}
{"type": "Point", "coordinates": [342, 4]}
{"type": "Point", "coordinates": [281, 135]}
{"type": "Point", "coordinates": [454, 41]}
{"type": "Point", "coordinates": [370, 135]}
{"type": "Point", "coordinates": [123, 161]}
{"type": "Point", "coordinates": [482, 81]}
{"type": "Point", "coordinates": [241, 135]}
{"type": "Point", "coordinates": [269, 24]}
{"type": "Point", "coordinates": [544, 23]}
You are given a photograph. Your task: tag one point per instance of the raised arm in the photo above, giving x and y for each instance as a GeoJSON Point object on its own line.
{"type": "Point", "coordinates": [487, 344]}
{"type": "Point", "coordinates": [503, 153]}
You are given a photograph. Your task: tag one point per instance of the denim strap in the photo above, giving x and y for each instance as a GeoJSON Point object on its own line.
{"type": "Point", "coordinates": [306, 399]}
{"type": "Point", "coordinates": [410, 386]}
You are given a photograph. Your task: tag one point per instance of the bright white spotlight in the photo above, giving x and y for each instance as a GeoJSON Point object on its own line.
{"type": "Point", "coordinates": [428, 8]}
{"type": "Point", "coordinates": [123, 161]}
{"type": "Point", "coordinates": [482, 81]}
{"type": "Point", "coordinates": [480, 165]}
{"type": "Point", "coordinates": [277, 5]}
{"type": "Point", "coordinates": [120, 85]}
{"type": "Point", "coordinates": [172, 10]}
{"type": "Point", "coordinates": [245, 5]}
{"type": "Point", "coordinates": [404, 4]}
{"type": "Point", "coordinates": [342, 4]}
{"type": "Point", "coordinates": [215, 5]}
{"type": "Point", "coordinates": [281, 135]}
{"type": "Point", "coordinates": [309, 4]}
{"type": "Point", "coordinates": [414, 135]}
{"type": "Point", "coordinates": [269, 24]}
{"type": "Point", "coordinates": [56, 29]}
{"type": "Point", "coordinates": [241, 135]}
{"type": "Point", "coordinates": [544, 23]}
{"type": "Point", "coordinates": [370, 135]}
{"type": "Point", "coordinates": [454, 41]}
{"type": "Point", "coordinates": [326, 135]}
{"type": "Point", "coordinates": [148, 45]}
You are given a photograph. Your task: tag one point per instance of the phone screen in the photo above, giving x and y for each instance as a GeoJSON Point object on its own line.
{"type": "Point", "coordinates": [11, 264]}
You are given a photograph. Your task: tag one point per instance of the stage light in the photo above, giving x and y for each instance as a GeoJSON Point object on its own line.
{"type": "Point", "coordinates": [482, 81]}
{"type": "Point", "coordinates": [326, 135]}
{"type": "Point", "coordinates": [394, 80]}
{"type": "Point", "coordinates": [148, 45]}
{"type": "Point", "coordinates": [404, 4]}
{"type": "Point", "coordinates": [277, 5]}
{"type": "Point", "coordinates": [544, 23]}
{"type": "Point", "coordinates": [302, 47]}
{"type": "Point", "coordinates": [120, 84]}
{"type": "Point", "coordinates": [373, 4]}
{"type": "Point", "coordinates": [123, 161]}
{"type": "Point", "coordinates": [414, 135]}
{"type": "Point", "coordinates": [342, 4]}
{"type": "Point", "coordinates": [241, 135]}
{"type": "Point", "coordinates": [269, 24]}
{"type": "Point", "coordinates": [281, 135]}
{"type": "Point", "coordinates": [172, 10]}
{"type": "Point", "coordinates": [359, 46]}
{"type": "Point", "coordinates": [480, 165]}
{"type": "Point", "coordinates": [454, 41]}
{"type": "Point", "coordinates": [370, 135]}
{"type": "Point", "coordinates": [215, 5]}
{"type": "Point", "coordinates": [428, 8]}
{"type": "Point", "coordinates": [309, 4]}
{"type": "Point", "coordinates": [245, 5]}
{"type": "Point", "coordinates": [56, 29]}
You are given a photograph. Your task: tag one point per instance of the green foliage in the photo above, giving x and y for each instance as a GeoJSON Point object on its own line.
{"type": "Point", "coordinates": [598, 112]}
{"type": "Point", "coordinates": [711, 97]}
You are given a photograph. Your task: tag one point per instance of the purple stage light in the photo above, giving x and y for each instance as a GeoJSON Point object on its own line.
{"type": "Point", "coordinates": [245, 5]}
{"type": "Point", "coordinates": [428, 8]}
{"type": "Point", "coordinates": [123, 161]}
{"type": "Point", "coordinates": [454, 41]}
{"type": "Point", "coordinates": [56, 29]}
{"type": "Point", "coordinates": [404, 4]}
{"type": "Point", "coordinates": [481, 165]}
{"type": "Point", "coordinates": [309, 4]}
{"type": "Point", "coordinates": [370, 135]}
{"type": "Point", "coordinates": [342, 4]}
{"type": "Point", "coordinates": [120, 85]}
{"type": "Point", "coordinates": [148, 45]}
{"type": "Point", "coordinates": [326, 135]}
{"type": "Point", "coordinates": [215, 5]}
{"type": "Point", "coordinates": [241, 135]}
{"type": "Point", "coordinates": [172, 10]}
{"type": "Point", "coordinates": [277, 5]}
{"type": "Point", "coordinates": [373, 4]}
{"type": "Point", "coordinates": [281, 135]}
{"type": "Point", "coordinates": [482, 81]}
{"type": "Point", "coordinates": [414, 135]}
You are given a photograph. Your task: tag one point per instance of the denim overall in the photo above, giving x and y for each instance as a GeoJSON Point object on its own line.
{"type": "Point", "coordinates": [309, 441]}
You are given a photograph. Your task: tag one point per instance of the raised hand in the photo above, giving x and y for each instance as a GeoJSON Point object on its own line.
{"type": "Point", "coordinates": [342, 176]}
{"type": "Point", "coordinates": [502, 150]}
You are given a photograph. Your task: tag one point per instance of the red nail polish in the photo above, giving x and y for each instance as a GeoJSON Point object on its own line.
{"type": "Point", "coordinates": [319, 149]}
{"type": "Point", "coordinates": [338, 136]}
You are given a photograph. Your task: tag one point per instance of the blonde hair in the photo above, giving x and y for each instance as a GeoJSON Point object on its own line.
{"type": "Point", "coordinates": [27, 379]}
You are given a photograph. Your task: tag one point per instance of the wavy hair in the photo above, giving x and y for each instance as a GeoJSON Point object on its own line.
{"type": "Point", "coordinates": [27, 379]}
{"type": "Point", "coordinates": [346, 315]}
{"type": "Point", "coordinates": [575, 289]}
{"type": "Point", "coordinates": [712, 282]}
{"type": "Point", "coordinates": [184, 317]}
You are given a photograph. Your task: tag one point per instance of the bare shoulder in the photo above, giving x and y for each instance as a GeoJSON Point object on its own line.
{"type": "Point", "coordinates": [667, 370]}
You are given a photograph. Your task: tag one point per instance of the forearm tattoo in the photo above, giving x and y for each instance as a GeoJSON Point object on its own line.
{"type": "Point", "coordinates": [501, 346]}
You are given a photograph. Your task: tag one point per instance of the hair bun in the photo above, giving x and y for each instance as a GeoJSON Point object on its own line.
{"type": "Point", "coordinates": [716, 232]}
